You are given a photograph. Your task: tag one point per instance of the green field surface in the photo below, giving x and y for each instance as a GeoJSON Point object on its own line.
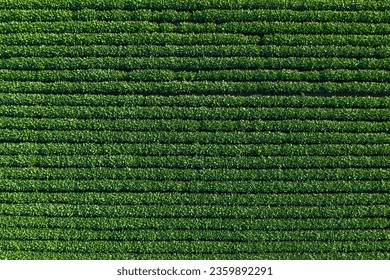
{"type": "Point", "coordinates": [197, 129]}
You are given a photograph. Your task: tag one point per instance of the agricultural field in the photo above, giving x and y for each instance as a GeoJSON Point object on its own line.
{"type": "Point", "coordinates": [197, 129]}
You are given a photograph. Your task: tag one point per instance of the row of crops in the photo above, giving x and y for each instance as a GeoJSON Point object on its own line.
{"type": "Point", "coordinates": [99, 75]}
{"type": "Point", "coordinates": [37, 17]}
{"type": "Point", "coordinates": [122, 31]}
{"type": "Point", "coordinates": [197, 129]}
{"type": "Point", "coordinates": [194, 63]}
{"type": "Point", "coordinates": [205, 87]}
{"type": "Point", "coordinates": [191, 5]}
{"type": "Point", "coordinates": [175, 51]}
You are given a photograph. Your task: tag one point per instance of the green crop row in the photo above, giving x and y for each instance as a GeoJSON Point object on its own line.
{"type": "Point", "coordinates": [106, 137]}
{"type": "Point", "coordinates": [195, 113]}
{"type": "Point", "coordinates": [192, 247]}
{"type": "Point", "coordinates": [194, 162]}
{"type": "Point", "coordinates": [242, 15]}
{"type": "Point", "coordinates": [70, 39]}
{"type": "Point", "coordinates": [324, 29]}
{"type": "Point", "coordinates": [205, 150]}
{"type": "Point", "coordinates": [163, 174]}
{"type": "Point", "coordinates": [194, 125]}
{"type": "Point", "coordinates": [193, 235]}
{"type": "Point", "coordinates": [39, 255]}
{"type": "Point", "coordinates": [326, 39]}
{"type": "Point", "coordinates": [191, 223]}
{"type": "Point", "coordinates": [84, 27]}
{"type": "Point", "coordinates": [89, 15]}
{"type": "Point", "coordinates": [30, 39]}
{"type": "Point", "coordinates": [194, 51]}
{"type": "Point", "coordinates": [196, 199]}
{"type": "Point", "coordinates": [211, 15]}
{"type": "Point", "coordinates": [191, 5]}
{"type": "Point", "coordinates": [190, 101]}
{"type": "Point", "coordinates": [201, 87]}
{"type": "Point", "coordinates": [192, 63]}
{"type": "Point", "coordinates": [99, 75]}
{"type": "Point", "coordinates": [18, 30]}
{"type": "Point", "coordinates": [263, 187]}
{"type": "Point", "coordinates": [191, 211]}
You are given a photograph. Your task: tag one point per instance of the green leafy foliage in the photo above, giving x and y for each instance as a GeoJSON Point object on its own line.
{"type": "Point", "coordinates": [197, 129]}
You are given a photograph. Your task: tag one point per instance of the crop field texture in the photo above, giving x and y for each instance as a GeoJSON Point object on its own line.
{"type": "Point", "coordinates": [194, 129]}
